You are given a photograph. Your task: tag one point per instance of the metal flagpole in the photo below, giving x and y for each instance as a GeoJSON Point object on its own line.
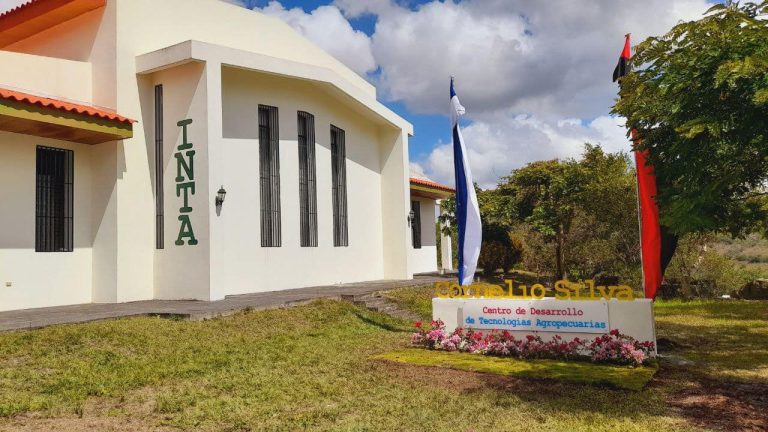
{"type": "Point", "coordinates": [639, 212]}
{"type": "Point", "coordinates": [633, 139]}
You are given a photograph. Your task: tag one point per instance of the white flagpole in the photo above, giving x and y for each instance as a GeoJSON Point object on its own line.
{"type": "Point", "coordinates": [467, 208]}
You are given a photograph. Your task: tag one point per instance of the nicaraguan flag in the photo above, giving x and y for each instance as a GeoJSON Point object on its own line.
{"type": "Point", "coordinates": [467, 210]}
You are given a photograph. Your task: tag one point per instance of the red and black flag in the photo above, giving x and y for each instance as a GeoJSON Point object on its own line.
{"type": "Point", "coordinates": [623, 67]}
{"type": "Point", "coordinates": [657, 243]}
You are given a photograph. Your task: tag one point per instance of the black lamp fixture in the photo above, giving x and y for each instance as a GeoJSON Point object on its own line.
{"type": "Point", "coordinates": [220, 195]}
{"type": "Point", "coordinates": [411, 217]}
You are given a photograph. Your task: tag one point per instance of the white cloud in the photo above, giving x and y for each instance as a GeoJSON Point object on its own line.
{"type": "Point", "coordinates": [533, 75]}
{"type": "Point", "coordinates": [417, 171]}
{"type": "Point", "coordinates": [547, 58]}
{"type": "Point", "coordinates": [497, 147]}
{"type": "Point", "coordinates": [330, 30]}
{"type": "Point", "coordinates": [357, 8]}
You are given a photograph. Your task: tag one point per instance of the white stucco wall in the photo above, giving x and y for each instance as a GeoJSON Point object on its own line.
{"type": "Point", "coordinates": [424, 259]}
{"type": "Point", "coordinates": [46, 76]}
{"type": "Point", "coordinates": [153, 25]}
{"type": "Point", "coordinates": [118, 275]}
{"type": "Point", "coordinates": [42, 279]}
{"type": "Point", "coordinates": [89, 38]}
{"type": "Point", "coordinates": [124, 265]}
{"type": "Point", "coordinates": [239, 263]}
{"type": "Point", "coordinates": [181, 272]}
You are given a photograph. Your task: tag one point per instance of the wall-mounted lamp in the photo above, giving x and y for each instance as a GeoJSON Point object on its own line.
{"type": "Point", "coordinates": [411, 217]}
{"type": "Point", "coordinates": [220, 195]}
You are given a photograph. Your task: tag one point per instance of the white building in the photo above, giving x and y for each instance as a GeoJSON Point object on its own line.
{"type": "Point", "coordinates": [121, 120]}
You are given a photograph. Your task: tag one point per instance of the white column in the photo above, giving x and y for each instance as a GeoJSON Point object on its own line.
{"type": "Point", "coordinates": [446, 248]}
{"type": "Point", "coordinates": [396, 203]}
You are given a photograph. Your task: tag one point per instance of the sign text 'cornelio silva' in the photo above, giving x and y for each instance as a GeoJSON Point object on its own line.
{"type": "Point", "coordinates": [564, 290]}
{"type": "Point", "coordinates": [185, 184]}
{"type": "Point", "coordinates": [576, 308]}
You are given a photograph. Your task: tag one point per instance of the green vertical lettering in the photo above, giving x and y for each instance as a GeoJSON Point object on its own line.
{"type": "Point", "coordinates": [186, 232]}
{"type": "Point", "coordinates": [185, 144]}
{"type": "Point", "coordinates": [187, 165]}
{"type": "Point", "coordinates": [186, 189]}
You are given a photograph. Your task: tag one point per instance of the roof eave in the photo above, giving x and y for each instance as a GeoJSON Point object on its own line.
{"type": "Point", "coordinates": [196, 51]}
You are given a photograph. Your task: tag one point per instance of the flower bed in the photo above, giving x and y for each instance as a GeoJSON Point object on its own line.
{"type": "Point", "coordinates": [614, 348]}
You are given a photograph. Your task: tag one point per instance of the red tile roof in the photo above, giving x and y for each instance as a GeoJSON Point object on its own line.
{"type": "Point", "coordinates": [44, 102]}
{"type": "Point", "coordinates": [16, 8]}
{"type": "Point", "coordinates": [36, 3]}
{"type": "Point", "coordinates": [432, 184]}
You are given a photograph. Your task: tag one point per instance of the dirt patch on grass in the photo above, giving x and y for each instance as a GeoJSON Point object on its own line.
{"type": "Point", "coordinates": [719, 405]}
{"type": "Point", "coordinates": [134, 412]}
{"type": "Point", "coordinates": [467, 382]}
{"type": "Point", "coordinates": [461, 381]}
{"type": "Point", "coordinates": [75, 424]}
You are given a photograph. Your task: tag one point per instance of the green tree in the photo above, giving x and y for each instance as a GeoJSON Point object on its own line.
{"type": "Point", "coordinates": [701, 271]}
{"type": "Point", "coordinates": [605, 235]}
{"type": "Point", "coordinates": [699, 102]}
{"type": "Point", "coordinates": [575, 216]}
{"type": "Point", "coordinates": [545, 195]}
{"type": "Point", "coordinates": [499, 250]}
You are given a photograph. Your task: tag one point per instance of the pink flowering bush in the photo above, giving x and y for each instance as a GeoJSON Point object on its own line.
{"type": "Point", "coordinates": [620, 349]}
{"type": "Point", "coordinates": [613, 348]}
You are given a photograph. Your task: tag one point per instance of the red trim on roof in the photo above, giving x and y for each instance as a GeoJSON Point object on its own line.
{"type": "Point", "coordinates": [56, 3]}
{"type": "Point", "coordinates": [432, 184]}
{"type": "Point", "coordinates": [44, 102]}
{"type": "Point", "coordinates": [36, 16]}
{"type": "Point", "coordinates": [16, 8]}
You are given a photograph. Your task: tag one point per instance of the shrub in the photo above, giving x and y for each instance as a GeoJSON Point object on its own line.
{"type": "Point", "coordinates": [699, 270]}
{"type": "Point", "coordinates": [500, 249]}
{"type": "Point", "coordinates": [755, 290]}
{"type": "Point", "coordinates": [619, 349]}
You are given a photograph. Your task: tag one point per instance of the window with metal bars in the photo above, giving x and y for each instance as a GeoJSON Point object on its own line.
{"type": "Point", "coordinates": [307, 180]}
{"type": "Point", "coordinates": [269, 169]}
{"type": "Point", "coordinates": [159, 195]}
{"type": "Point", "coordinates": [54, 200]}
{"type": "Point", "coordinates": [416, 224]}
{"type": "Point", "coordinates": [339, 179]}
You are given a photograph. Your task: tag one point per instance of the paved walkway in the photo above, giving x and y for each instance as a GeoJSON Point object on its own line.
{"type": "Point", "coordinates": [197, 310]}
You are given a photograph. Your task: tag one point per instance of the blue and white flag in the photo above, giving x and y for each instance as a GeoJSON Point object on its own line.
{"type": "Point", "coordinates": [467, 209]}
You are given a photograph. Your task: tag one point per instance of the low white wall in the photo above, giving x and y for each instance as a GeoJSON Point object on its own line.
{"type": "Point", "coordinates": [41, 279]}
{"type": "Point", "coordinates": [46, 76]}
{"type": "Point", "coordinates": [631, 317]}
{"type": "Point", "coordinates": [424, 260]}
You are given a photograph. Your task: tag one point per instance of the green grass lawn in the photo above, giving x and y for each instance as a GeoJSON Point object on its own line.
{"type": "Point", "coordinates": [311, 368]}
{"type": "Point", "coordinates": [724, 338]}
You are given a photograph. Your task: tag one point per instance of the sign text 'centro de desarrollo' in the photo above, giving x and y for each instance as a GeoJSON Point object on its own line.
{"type": "Point", "coordinates": [548, 315]}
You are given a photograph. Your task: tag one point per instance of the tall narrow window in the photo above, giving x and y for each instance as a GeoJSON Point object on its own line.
{"type": "Point", "coordinates": [54, 199]}
{"type": "Point", "coordinates": [339, 174]}
{"type": "Point", "coordinates": [269, 169]}
{"type": "Point", "coordinates": [307, 180]}
{"type": "Point", "coordinates": [416, 224]}
{"type": "Point", "coordinates": [159, 196]}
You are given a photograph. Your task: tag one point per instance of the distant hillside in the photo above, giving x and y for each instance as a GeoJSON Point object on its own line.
{"type": "Point", "coordinates": [752, 251]}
